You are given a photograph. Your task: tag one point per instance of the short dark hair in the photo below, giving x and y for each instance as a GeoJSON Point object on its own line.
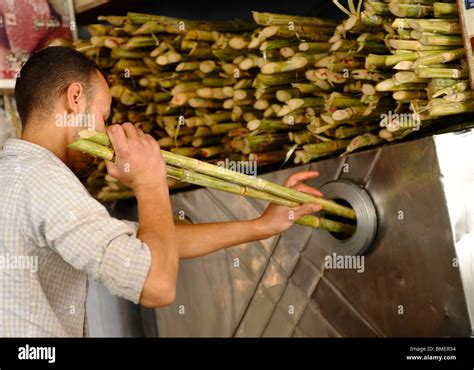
{"type": "Point", "coordinates": [46, 76]}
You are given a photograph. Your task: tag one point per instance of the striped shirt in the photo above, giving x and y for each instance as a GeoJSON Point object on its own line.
{"type": "Point", "coordinates": [53, 236]}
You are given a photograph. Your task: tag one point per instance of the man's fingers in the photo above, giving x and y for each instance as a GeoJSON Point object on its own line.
{"type": "Point", "coordinates": [150, 138]}
{"type": "Point", "coordinates": [306, 209]}
{"type": "Point", "coordinates": [141, 134]}
{"type": "Point", "coordinates": [299, 177]}
{"type": "Point", "coordinates": [130, 131]}
{"type": "Point", "coordinates": [111, 168]}
{"type": "Point", "coordinates": [307, 189]}
{"type": "Point", "coordinates": [117, 138]}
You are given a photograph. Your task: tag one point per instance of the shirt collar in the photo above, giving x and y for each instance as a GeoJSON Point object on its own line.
{"type": "Point", "coordinates": [15, 147]}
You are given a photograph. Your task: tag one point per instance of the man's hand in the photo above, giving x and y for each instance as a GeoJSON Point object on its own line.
{"type": "Point", "coordinates": [277, 219]}
{"type": "Point", "coordinates": [139, 163]}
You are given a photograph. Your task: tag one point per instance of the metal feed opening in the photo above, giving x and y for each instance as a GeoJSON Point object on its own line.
{"type": "Point", "coordinates": [353, 195]}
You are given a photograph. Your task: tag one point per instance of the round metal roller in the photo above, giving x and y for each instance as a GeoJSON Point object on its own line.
{"type": "Point", "coordinates": [360, 201]}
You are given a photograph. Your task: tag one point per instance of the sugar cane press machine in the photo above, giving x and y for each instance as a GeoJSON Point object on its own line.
{"type": "Point", "coordinates": [415, 236]}
{"type": "Point", "coordinates": [406, 271]}
{"type": "Point", "coordinates": [415, 233]}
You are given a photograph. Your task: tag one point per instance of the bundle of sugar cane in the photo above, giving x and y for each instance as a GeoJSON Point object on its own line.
{"type": "Point", "coordinates": [205, 73]}
{"type": "Point", "coordinates": [198, 85]}
{"type": "Point", "coordinates": [181, 71]}
{"type": "Point", "coordinates": [279, 53]}
{"type": "Point", "coordinates": [425, 58]}
{"type": "Point", "coordinates": [349, 105]}
{"type": "Point", "coordinates": [213, 90]}
{"type": "Point", "coordinates": [204, 174]}
{"type": "Point", "coordinates": [270, 51]}
{"type": "Point", "coordinates": [427, 51]}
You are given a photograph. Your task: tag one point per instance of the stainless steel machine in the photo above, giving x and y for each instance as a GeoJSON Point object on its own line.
{"type": "Point", "coordinates": [408, 269]}
{"type": "Point", "coordinates": [414, 241]}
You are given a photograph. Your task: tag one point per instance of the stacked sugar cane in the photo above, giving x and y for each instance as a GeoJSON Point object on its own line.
{"type": "Point", "coordinates": [381, 96]}
{"type": "Point", "coordinates": [196, 86]}
{"type": "Point", "coordinates": [338, 100]}
{"type": "Point", "coordinates": [429, 75]}
{"type": "Point", "coordinates": [208, 175]}
{"type": "Point", "coordinates": [171, 78]}
{"type": "Point", "coordinates": [278, 64]}
{"type": "Point", "coordinates": [283, 85]}
{"type": "Point", "coordinates": [312, 90]}
{"type": "Point", "coordinates": [167, 77]}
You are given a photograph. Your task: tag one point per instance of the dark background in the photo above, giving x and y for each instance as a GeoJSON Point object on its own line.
{"type": "Point", "coordinates": [213, 9]}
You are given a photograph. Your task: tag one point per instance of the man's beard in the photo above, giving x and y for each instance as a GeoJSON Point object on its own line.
{"type": "Point", "coordinates": [84, 165]}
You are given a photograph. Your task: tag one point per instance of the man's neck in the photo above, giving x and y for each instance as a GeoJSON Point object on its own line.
{"type": "Point", "coordinates": [53, 140]}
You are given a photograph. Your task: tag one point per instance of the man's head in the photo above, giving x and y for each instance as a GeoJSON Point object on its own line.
{"type": "Point", "coordinates": [59, 92]}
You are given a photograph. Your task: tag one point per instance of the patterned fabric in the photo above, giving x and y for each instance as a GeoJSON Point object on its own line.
{"type": "Point", "coordinates": [53, 235]}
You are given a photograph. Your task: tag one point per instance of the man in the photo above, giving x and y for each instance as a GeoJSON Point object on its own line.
{"type": "Point", "coordinates": [47, 215]}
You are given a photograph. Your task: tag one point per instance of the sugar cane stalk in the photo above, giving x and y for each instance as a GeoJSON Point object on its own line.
{"type": "Point", "coordinates": [102, 151]}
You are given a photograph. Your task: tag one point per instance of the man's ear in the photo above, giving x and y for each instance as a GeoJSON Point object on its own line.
{"type": "Point", "coordinates": [74, 95]}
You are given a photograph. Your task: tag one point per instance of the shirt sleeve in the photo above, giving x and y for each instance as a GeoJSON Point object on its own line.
{"type": "Point", "coordinates": [60, 214]}
{"type": "Point", "coordinates": [132, 224]}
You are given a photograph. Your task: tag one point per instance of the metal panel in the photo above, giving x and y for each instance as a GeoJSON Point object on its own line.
{"type": "Point", "coordinates": [409, 287]}
{"type": "Point", "coordinates": [110, 316]}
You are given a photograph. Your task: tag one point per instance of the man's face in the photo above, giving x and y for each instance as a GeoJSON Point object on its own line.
{"type": "Point", "coordinates": [96, 113]}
